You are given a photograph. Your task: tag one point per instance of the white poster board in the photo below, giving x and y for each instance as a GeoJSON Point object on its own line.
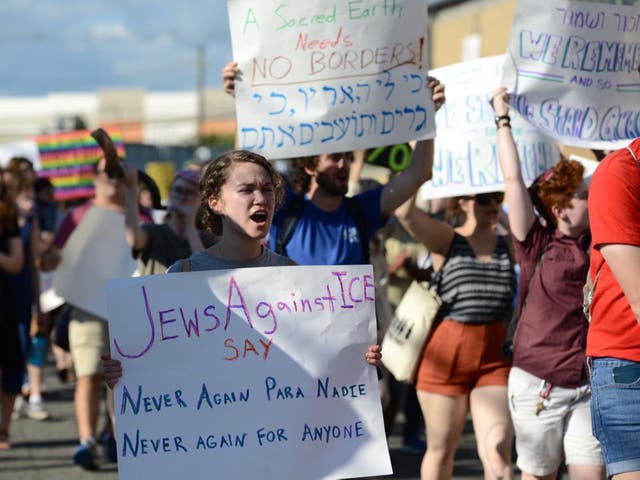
{"type": "Point", "coordinates": [326, 76]}
{"type": "Point", "coordinates": [248, 373]}
{"type": "Point", "coordinates": [95, 252]}
{"type": "Point", "coordinates": [466, 160]}
{"type": "Point", "coordinates": [573, 66]}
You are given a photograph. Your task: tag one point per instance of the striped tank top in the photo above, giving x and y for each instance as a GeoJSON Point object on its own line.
{"type": "Point", "coordinates": [474, 291]}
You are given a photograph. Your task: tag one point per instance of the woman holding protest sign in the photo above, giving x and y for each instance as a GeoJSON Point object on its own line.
{"type": "Point", "coordinates": [549, 391]}
{"type": "Point", "coordinates": [463, 367]}
{"type": "Point", "coordinates": [239, 194]}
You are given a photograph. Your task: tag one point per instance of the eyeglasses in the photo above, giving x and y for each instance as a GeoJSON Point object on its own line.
{"type": "Point", "coordinates": [184, 192]}
{"type": "Point", "coordinates": [486, 198]}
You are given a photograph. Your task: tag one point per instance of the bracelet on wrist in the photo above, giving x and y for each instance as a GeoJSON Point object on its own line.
{"type": "Point", "coordinates": [499, 118]}
{"type": "Point", "coordinates": [504, 124]}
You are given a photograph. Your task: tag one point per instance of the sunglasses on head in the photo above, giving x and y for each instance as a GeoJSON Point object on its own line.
{"type": "Point", "coordinates": [487, 198]}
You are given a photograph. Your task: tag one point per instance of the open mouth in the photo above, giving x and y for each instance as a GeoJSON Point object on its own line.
{"type": "Point", "coordinates": [259, 217]}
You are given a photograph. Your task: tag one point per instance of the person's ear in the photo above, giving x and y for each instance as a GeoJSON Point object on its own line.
{"type": "Point", "coordinates": [215, 205]}
{"type": "Point", "coordinates": [559, 213]}
{"type": "Point", "coordinates": [310, 171]}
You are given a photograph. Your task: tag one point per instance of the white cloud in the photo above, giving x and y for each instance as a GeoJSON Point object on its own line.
{"type": "Point", "coordinates": [67, 45]}
{"type": "Point", "coordinates": [110, 31]}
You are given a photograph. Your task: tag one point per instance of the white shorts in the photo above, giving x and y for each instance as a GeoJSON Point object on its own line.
{"type": "Point", "coordinates": [563, 426]}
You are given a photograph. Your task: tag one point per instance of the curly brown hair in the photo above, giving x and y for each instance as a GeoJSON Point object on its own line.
{"type": "Point", "coordinates": [556, 188]}
{"type": "Point", "coordinates": [216, 175]}
{"type": "Point", "coordinates": [299, 178]}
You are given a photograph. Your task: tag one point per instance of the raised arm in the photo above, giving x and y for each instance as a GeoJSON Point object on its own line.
{"type": "Point", "coordinates": [624, 261]}
{"type": "Point", "coordinates": [406, 183]}
{"type": "Point", "coordinates": [136, 236]}
{"type": "Point", "coordinates": [434, 234]}
{"type": "Point", "coordinates": [521, 212]}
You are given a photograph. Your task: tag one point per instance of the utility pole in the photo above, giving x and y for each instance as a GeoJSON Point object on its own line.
{"type": "Point", "coordinates": [201, 86]}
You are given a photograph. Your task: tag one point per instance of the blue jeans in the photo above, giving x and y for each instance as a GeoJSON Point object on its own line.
{"type": "Point", "coordinates": [615, 413]}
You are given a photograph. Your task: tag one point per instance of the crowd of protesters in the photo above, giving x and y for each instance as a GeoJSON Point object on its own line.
{"type": "Point", "coordinates": [569, 392]}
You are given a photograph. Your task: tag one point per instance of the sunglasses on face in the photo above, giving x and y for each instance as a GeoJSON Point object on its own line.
{"type": "Point", "coordinates": [486, 198]}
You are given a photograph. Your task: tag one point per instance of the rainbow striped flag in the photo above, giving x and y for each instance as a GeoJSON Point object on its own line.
{"type": "Point", "coordinates": [68, 159]}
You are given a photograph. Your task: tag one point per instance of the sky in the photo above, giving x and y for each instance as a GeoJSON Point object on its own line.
{"type": "Point", "coordinates": [87, 45]}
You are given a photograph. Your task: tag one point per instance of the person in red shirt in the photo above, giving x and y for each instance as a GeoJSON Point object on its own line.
{"type": "Point", "coordinates": [613, 341]}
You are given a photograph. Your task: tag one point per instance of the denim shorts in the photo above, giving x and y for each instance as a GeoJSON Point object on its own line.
{"type": "Point", "coordinates": [615, 412]}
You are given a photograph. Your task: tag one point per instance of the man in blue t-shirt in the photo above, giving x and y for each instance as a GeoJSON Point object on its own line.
{"type": "Point", "coordinates": [325, 231]}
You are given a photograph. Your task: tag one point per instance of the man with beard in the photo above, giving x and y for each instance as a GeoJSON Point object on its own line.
{"type": "Point", "coordinates": [317, 224]}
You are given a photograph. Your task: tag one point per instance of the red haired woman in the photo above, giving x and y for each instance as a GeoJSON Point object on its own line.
{"type": "Point", "coordinates": [549, 390]}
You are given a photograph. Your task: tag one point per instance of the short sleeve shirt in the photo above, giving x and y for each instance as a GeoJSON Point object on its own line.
{"type": "Point", "coordinates": [329, 238]}
{"type": "Point", "coordinates": [202, 261]}
{"type": "Point", "coordinates": [614, 214]}
{"type": "Point", "coordinates": [551, 334]}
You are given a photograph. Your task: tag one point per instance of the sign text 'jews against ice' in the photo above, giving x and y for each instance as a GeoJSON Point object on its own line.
{"type": "Point", "coordinates": [323, 76]}
{"type": "Point", "coordinates": [246, 373]}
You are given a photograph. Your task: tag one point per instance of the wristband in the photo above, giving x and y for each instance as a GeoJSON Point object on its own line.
{"type": "Point", "coordinates": [498, 119]}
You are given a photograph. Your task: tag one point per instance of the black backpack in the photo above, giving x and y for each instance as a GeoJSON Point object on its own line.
{"type": "Point", "coordinates": [294, 213]}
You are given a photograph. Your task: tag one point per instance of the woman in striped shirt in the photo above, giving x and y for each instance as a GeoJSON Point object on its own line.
{"type": "Point", "coordinates": [463, 366]}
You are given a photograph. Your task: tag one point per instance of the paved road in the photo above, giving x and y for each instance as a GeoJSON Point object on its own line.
{"type": "Point", "coordinates": [43, 450]}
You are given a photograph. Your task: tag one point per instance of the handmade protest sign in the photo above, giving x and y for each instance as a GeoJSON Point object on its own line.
{"type": "Point", "coordinates": [95, 252]}
{"type": "Point", "coordinates": [325, 76]}
{"type": "Point", "coordinates": [247, 373]}
{"type": "Point", "coordinates": [573, 67]}
{"type": "Point", "coordinates": [465, 159]}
